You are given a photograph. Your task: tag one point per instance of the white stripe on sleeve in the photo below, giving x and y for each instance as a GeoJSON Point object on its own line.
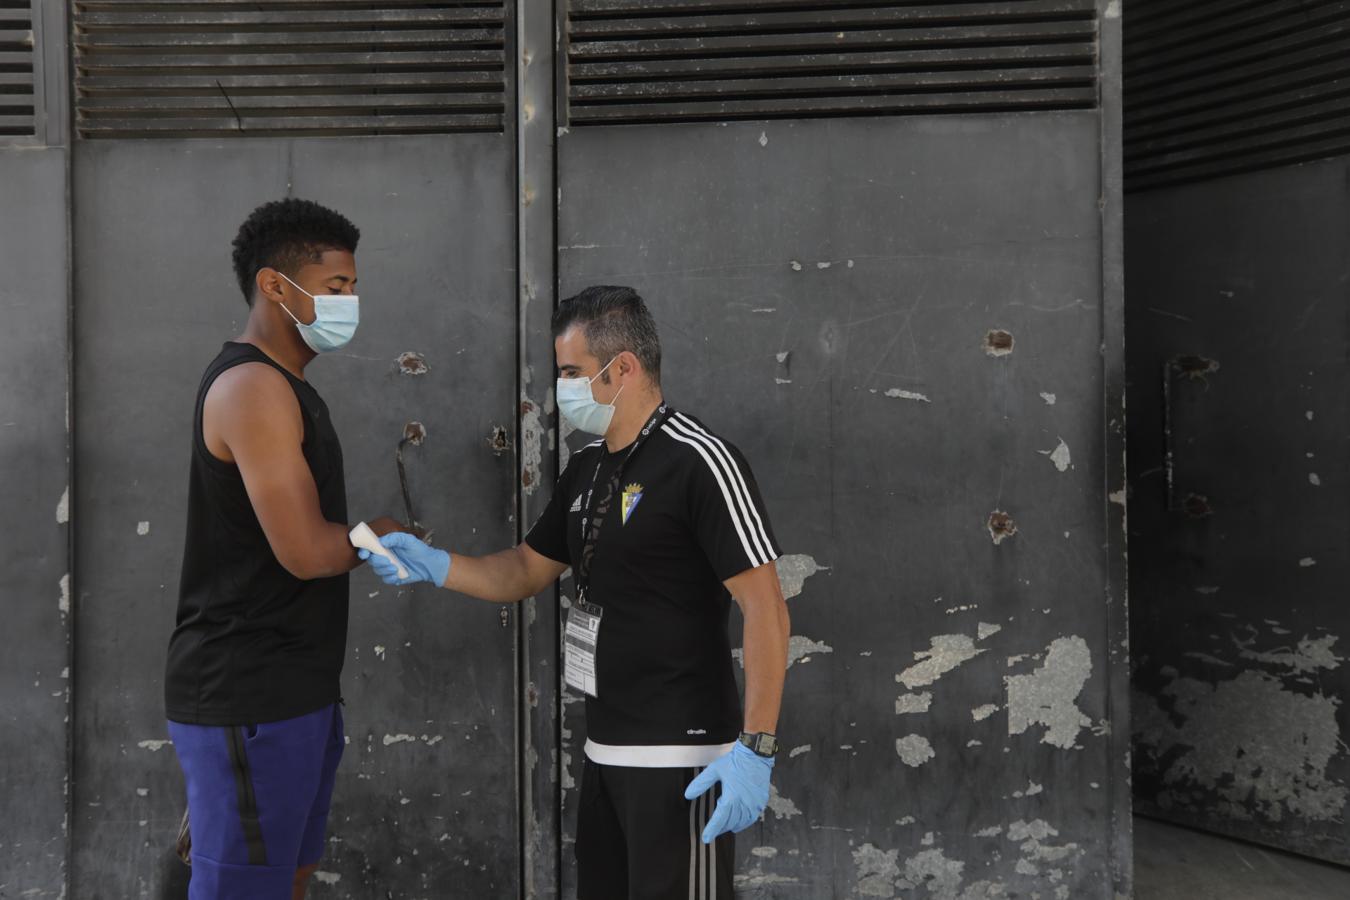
{"type": "Point", "coordinates": [749, 515]}
{"type": "Point", "coordinates": [726, 495]}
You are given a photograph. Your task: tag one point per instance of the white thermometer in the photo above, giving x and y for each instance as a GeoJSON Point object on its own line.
{"type": "Point", "coordinates": [361, 536]}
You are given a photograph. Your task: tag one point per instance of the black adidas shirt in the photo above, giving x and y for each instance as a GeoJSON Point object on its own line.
{"type": "Point", "coordinates": [687, 516]}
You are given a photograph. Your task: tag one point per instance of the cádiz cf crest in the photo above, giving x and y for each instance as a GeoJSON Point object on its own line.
{"type": "Point", "coordinates": [631, 495]}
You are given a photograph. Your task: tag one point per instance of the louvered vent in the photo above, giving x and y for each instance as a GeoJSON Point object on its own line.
{"type": "Point", "coordinates": [632, 61]}
{"type": "Point", "coordinates": [16, 69]}
{"type": "Point", "coordinates": [1214, 88]}
{"type": "Point", "coordinates": [227, 68]}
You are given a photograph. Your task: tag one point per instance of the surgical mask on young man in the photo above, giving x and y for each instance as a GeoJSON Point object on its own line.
{"type": "Point", "coordinates": [577, 403]}
{"type": "Point", "coordinates": [335, 319]}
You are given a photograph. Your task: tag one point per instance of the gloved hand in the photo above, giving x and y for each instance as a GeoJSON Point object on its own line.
{"type": "Point", "coordinates": [422, 563]}
{"type": "Point", "coordinates": [745, 790]}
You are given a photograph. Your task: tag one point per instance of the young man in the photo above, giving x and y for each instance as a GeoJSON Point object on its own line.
{"type": "Point", "coordinates": [662, 525]}
{"type": "Point", "coordinates": [251, 687]}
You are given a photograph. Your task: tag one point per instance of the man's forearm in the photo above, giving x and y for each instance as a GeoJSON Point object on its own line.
{"type": "Point", "coordinates": [501, 577]}
{"type": "Point", "coordinates": [767, 627]}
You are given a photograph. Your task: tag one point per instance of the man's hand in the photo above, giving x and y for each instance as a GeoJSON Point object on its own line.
{"type": "Point", "coordinates": [745, 790]}
{"type": "Point", "coordinates": [422, 563]}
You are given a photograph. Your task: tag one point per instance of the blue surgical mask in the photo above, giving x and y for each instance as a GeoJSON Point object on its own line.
{"type": "Point", "coordinates": [577, 403]}
{"type": "Point", "coordinates": [335, 319]}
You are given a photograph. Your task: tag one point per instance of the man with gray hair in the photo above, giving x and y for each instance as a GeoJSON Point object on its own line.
{"type": "Point", "coordinates": [662, 525]}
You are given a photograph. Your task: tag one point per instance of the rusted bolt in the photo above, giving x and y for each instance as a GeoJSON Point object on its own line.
{"type": "Point", "coordinates": [415, 433]}
{"type": "Point", "coordinates": [411, 363]}
{"type": "Point", "coordinates": [526, 477]}
{"type": "Point", "coordinates": [1001, 526]}
{"type": "Point", "coordinates": [998, 342]}
{"type": "Point", "coordinates": [1197, 506]}
{"type": "Point", "coordinates": [499, 440]}
{"type": "Point", "coordinates": [1194, 367]}
{"type": "Point", "coordinates": [526, 407]}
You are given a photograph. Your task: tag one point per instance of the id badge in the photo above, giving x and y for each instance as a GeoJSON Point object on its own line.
{"type": "Point", "coordinates": [581, 637]}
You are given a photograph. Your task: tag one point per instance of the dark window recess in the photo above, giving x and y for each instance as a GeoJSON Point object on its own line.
{"type": "Point", "coordinates": [633, 61]}
{"type": "Point", "coordinates": [16, 69]}
{"type": "Point", "coordinates": [1215, 89]}
{"type": "Point", "coordinates": [228, 68]}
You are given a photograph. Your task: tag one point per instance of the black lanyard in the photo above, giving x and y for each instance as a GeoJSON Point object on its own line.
{"type": "Point", "coordinates": [590, 527]}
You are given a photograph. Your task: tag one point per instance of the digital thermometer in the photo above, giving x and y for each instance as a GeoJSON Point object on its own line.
{"type": "Point", "coordinates": [361, 536]}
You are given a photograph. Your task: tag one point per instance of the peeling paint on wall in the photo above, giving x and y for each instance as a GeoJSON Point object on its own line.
{"type": "Point", "coordinates": [1310, 655]}
{"type": "Point", "coordinates": [793, 570]}
{"type": "Point", "coordinates": [998, 342]}
{"type": "Point", "coordinates": [63, 604]}
{"type": "Point", "coordinates": [1046, 696]}
{"type": "Point", "coordinates": [531, 445]}
{"type": "Point", "coordinates": [781, 806]}
{"type": "Point", "coordinates": [914, 750]}
{"type": "Point", "coordinates": [63, 507]}
{"type": "Point", "coordinates": [1205, 741]}
{"type": "Point", "coordinates": [1059, 456]}
{"type": "Point", "coordinates": [913, 703]}
{"type": "Point", "coordinates": [1001, 526]}
{"type": "Point", "coordinates": [945, 653]}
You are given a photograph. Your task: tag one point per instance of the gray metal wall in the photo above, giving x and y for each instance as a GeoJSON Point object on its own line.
{"type": "Point", "coordinates": [1238, 365]}
{"type": "Point", "coordinates": [824, 291]}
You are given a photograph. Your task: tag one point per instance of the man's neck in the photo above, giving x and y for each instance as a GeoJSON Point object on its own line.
{"type": "Point", "coordinates": [629, 420]}
{"type": "Point", "coordinates": [279, 340]}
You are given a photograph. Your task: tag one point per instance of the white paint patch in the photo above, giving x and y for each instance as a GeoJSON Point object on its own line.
{"type": "Point", "coordinates": [763, 139]}
{"type": "Point", "coordinates": [796, 266]}
{"type": "Point", "coordinates": [380, 651]}
{"type": "Point", "coordinates": [1208, 734]}
{"type": "Point", "coordinates": [985, 630]}
{"type": "Point", "coordinates": [63, 604]}
{"type": "Point", "coordinates": [980, 713]}
{"type": "Point", "coordinates": [1117, 497]}
{"type": "Point", "coordinates": [781, 806]}
{"type": "Point", "coordinates": [878, 870]}
{"type": "Point", "coordinates": [1309, 415]}
{"type": "Point", "coordinates": [914, 750]}
{"type": "Point", "coordinates": [942, 876]}
{"type": "Point", "coordinates": [1314, 479]}
{"type": "Point", "coordinates": [532, 439]}
{"type": "Point", "coordinates": [764, 852]}
{"type": "Point", "coordinates": [1309, 656]}
{"type": "Point", "coordinates": [63, 507]}
{"type": "Point", "coordinates": [793, 570]}
{"type": "Point", "coordinates": [800, 649]}
{"type": "Point", "coordinates": [1112, 10]}
{"type": "Point", "coordinates": [798, 751]}
{"type": "Point", "coordinates": [1048, 398]}
{"type": "Point", "coordinates": [945, 653]}
{"type": "Point", "coordinates": [1059, 456]}
{"type": "Point", "coordinates": [327, 877]}
{"type": "Point", "coordinates": [1046, 696]}
{"type": "Point", "coordinates": [154, 746]}
{"type": "Point", "coordinates": [142, 528]}
{"type": "Point", "coordinates": [1307, 562]}
{"type": "Point", "coordinates": [899, 394]}
{"type": "Point", "coordinates": [913, 703]}
{"type": "Point", "coordinates": [399, 739]}
{"type": "Point", "coordinates": [823, 265]}
{"type": "Point", "coordinates": [1031, 790]}
{"type": "Point", "coordinates": [142, 792]}
{"type": "Point", "coordinates": [991, 831]}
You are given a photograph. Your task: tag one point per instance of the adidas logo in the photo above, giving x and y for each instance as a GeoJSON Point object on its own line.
{"type": "Point", "coordinates": [576, 504]}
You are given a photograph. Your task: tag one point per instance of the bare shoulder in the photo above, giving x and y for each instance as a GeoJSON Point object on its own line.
{"type": "Point", "coordinates": [246, 402]}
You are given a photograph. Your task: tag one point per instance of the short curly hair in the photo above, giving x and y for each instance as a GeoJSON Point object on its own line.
{"type": "Point", "coordinates": [285, 235]}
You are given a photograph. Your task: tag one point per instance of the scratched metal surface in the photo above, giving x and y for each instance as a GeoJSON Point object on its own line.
{"type": "Point", "coordinates": [1239, 362]}
{"type": "Point", "coordinates": [900, 322]}
{"type": "Point", "coordinates": [34, 483]}
{"type": "Point", "coordinates": [426, 798]}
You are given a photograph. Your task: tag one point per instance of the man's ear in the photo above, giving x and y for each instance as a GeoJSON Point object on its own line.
{"type": "Point", "coordinates": [269, 282]}
{"type": "Point", "coordinates": [627, 363]}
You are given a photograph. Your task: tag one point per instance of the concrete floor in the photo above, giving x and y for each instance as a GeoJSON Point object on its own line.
{"type": "Point", "coordinates": [1172, 863]}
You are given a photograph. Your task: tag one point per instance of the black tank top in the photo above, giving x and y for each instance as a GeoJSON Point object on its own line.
{"type": "Point", "coordinates": [253, 643]}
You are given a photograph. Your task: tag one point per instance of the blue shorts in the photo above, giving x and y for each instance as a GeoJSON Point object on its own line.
{"type": "Point", "coordinates": [258, 799]}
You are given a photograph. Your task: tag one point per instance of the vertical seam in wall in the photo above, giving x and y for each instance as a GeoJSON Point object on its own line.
{"type": "Point", "coordinates": [1111, 199]}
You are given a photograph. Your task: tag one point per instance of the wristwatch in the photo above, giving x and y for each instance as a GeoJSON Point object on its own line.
{"type": "Point", "coordinates": [760, 743]}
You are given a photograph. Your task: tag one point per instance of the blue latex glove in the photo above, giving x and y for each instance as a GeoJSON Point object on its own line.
{"type": "Point", "coordinates": [422, 563]}
{"type": "Point", "coordinates": [745, 790]}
